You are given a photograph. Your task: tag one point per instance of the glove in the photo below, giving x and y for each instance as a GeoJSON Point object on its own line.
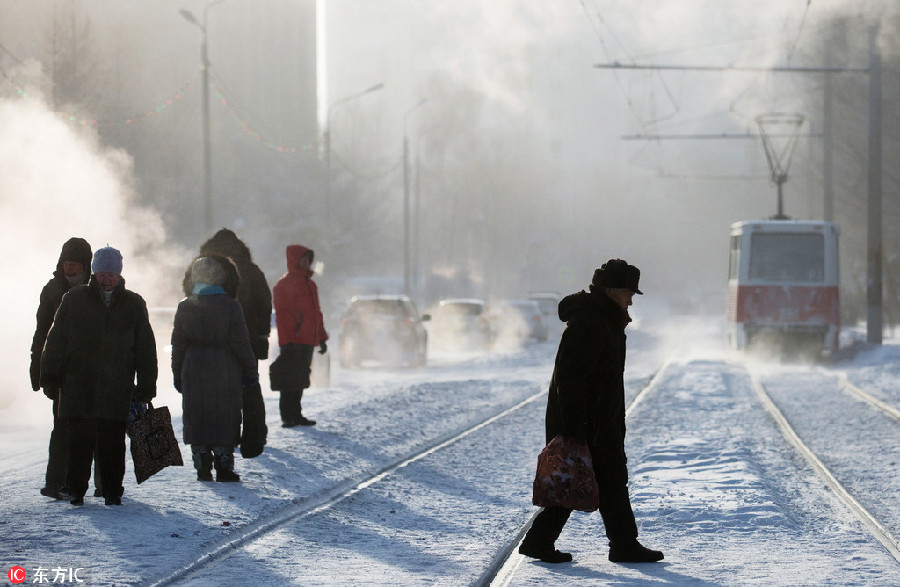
{"type": "Point", "coordinates": [143, 396]}
{"type": "Point", "coordinates": [323, 348]}
{"type": "Point", "coordinates": [35, 372]}
{"type": "Point", "coordinates": [52, 393]}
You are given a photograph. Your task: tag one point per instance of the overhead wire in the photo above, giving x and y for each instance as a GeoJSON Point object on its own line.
{"type": "Point", "coordinates": [599, 33]}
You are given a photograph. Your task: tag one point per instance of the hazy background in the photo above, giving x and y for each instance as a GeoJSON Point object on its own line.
{"type": "Point", "coordinates": [526, 170]}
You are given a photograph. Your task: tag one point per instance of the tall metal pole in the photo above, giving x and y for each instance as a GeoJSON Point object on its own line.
{"type": "Point", "coordinates": [406, 263]}
{"type": "Point", "coordinates": [406, 222]}
{"type": "Point", "coordinates": [416, 224]}
{"type": "Point", "coordinates": [828, 143]}
{"type": "Point", "coordinates": [874, 314]}
{"type": "Point", "coordinates": [207, 141]}
{"type": "Point", "coordinates": [207, 148]}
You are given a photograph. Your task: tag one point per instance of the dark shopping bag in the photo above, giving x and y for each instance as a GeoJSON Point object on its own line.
{"type": "Point", "coordinates": [279, 375]}
{"type": "Point", "coordinates": [565, 476]}
{"type": "Point", "coordinates": [153, 444]}
{"type": "Point", "coordinates": [290, 369]}
{"type": "Point", "coordinates": [254, 429]}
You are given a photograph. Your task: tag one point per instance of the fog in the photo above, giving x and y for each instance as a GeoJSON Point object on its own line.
{"type": "Point", "coordinates": [526, 167]}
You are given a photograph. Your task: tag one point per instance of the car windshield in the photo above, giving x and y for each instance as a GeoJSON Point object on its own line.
{"type": "Point", "coordinates": [460, 309]}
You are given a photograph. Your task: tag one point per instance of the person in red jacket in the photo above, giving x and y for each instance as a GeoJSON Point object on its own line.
{"type": "Point", "coordinates": [301, 328]}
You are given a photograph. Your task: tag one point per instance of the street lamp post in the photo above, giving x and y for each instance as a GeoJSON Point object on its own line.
{"type": "Point", "coordinates": [327, 140]}
{"type": "Point", "coordinates": [207, 148]}
{"type": "Point", "coordinates": [406, 251]}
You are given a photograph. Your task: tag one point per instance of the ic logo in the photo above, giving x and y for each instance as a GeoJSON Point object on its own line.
{"type": "Point", "coordinates": [16, 575]}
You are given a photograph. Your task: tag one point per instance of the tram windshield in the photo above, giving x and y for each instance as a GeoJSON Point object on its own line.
{"type": "Point", "coordinates": [787, 257]}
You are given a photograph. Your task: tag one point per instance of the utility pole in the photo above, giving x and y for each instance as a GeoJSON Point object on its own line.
{"type": "Point", "coordinates": [827, 144]}
{"type": "Point", "coordinates": [207, 146]}
{"type": "Point", "coordinates": [874, 311]}
{"type": "Point", "coordinates": [407, 289]}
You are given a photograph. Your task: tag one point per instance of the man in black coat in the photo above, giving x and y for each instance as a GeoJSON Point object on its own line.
{"type": "Point", "coordinates": [72, 269]}
{"type": "Point", "coordinates": [587, 402]}
{"type": "Point", "coordinates": [100, 342]}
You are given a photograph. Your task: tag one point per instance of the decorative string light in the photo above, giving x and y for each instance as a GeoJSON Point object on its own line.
{"type": "Point", "coordinates": [253, 133]}
{"type": "Point", "coordinates": [92, 122]}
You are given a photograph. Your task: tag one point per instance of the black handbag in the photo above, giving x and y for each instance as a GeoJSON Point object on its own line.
{"type": "Point", "coordinates": [278, 374]}
{"type": "Point", "coordinates": [153, 444]}
{"type": "Point", "coordinates": [290, 369]}
{"type": "Point", "coordinates": [254, 429]}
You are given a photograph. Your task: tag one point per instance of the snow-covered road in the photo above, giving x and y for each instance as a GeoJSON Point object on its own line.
{"type": "Point", "coordinates": [424, 477]}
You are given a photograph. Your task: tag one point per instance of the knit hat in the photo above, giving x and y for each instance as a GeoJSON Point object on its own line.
{"type": "Point", "coordinates": [207, 270]}
{"type": "Point", "coordinates": [76, 249]}
{"type": "Point", "coordinates": [616, 273]}
{"type": "Point", "coordinates": [107, 260]}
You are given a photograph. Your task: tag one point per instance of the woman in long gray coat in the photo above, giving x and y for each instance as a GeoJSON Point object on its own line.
{"type": "Point", "coordinates": [211, 361]}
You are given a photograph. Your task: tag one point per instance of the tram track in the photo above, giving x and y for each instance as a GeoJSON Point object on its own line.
{"type": "Point", "coordinates": [878, 530]}
{"type": "Point", "coordinates": [503, 569]}
{"type": "Point", "coordinates": [323, 500]}
{"type": "Point", "coordinates": [867, 397]}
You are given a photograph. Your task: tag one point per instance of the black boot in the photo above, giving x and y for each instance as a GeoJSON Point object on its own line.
{"type": "Point", "coordinates": [203, 462]}
{"type": "Point", "coordinates": [225, 468]}
{"type": "Point", "coordinates": [544, 553]}
{"type": "Point", "coordinates": [633, 553]}
{"type": "Point", "coordinates": [71, 496]}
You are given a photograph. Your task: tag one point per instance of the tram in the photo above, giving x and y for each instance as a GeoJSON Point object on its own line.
{"type": "Point", "coordinates": [783, 286]}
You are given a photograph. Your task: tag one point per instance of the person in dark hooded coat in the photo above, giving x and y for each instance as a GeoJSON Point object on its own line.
{"type": "Point", "coordinates": [212, 360]}
{"type": "Point", "coordinates": [253, 291]}
{"type": "Point", "coordinates": [73, 268]}
{"type": "Point", "coordinates": [100, 343]}
{"type": "Point", "coordinates": [586, 402]}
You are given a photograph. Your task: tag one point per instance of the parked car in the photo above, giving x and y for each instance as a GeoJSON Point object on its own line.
{"type": "Point", "coordinates": [548, 303]}
{"type": "Point", "coordinates": [384, 329]}
{"type": "Point", "coordinates": [517, 321]}
{"type": "Point", "coordinates": [460, 324]}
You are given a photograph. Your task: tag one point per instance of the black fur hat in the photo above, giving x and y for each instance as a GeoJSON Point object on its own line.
{"type": "Point", "coordinates": [617, 273]}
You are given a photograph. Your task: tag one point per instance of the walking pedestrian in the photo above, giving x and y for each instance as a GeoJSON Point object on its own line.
{"type": "Point", "coordinates": [71, 270]}
{"type": "Point", "coordinates": [100, 341]}
{"type": "Point", "coordinates": [586, 402]}
{"type": "Point", "coordinates": [301, 328]}
{"type": "Point", "coordinates": [212, 360]}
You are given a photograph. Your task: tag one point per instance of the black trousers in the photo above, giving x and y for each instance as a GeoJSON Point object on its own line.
{"type": "Point", "coordinates": [615, 506]}
{"type": "Point", "coordinates": [108, 438]}
{"type": "Point", "coordinates": [300, 359]}
{"type": "Point", "coordinates": [58, 450]}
